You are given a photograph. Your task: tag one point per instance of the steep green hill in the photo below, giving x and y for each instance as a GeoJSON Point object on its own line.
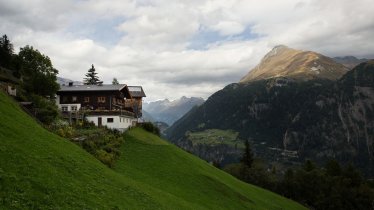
{"type": "Point", "coordinates": [39, 170]}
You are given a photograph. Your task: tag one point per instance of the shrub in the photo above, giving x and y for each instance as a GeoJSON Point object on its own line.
{"type": "Point", "coordinates": [103, 143]}
{"type": "Point", "coordinates": [62, 128]}
{"type": "Point", "coordinates": [150, 127]}
{"type": "Point", "coordinates": [44, 110]}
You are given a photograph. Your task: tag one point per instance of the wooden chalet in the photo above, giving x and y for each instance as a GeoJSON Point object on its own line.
{"type": "Point", "coordinates": [102, 104]}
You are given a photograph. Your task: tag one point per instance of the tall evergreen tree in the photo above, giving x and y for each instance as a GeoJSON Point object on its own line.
{"type": "Point", "coordinates": [247, 158]}
{"type": "Point", "coordinates": [6, 51]}
{"type": "Point", "coordinates": [91, 77]}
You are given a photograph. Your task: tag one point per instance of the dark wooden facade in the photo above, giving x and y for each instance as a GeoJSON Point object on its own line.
{"type": "Point", "coordinates": [108, 97]}
{"type": "Point", "coordinates": [100, 100]}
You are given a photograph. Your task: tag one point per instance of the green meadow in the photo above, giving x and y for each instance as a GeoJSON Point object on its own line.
{"type": "Point", "coordinates": [40, 170]}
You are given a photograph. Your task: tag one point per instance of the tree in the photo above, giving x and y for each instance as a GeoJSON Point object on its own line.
{"type": "Point", "coordinates": [247, 158]}
{"type": "Point", "coordinates": [115, 81]}
{"type": "Point", "coordinates": [333, 168]}
{"type": "Point", "coordinates": [38, 74]}
{"type": "Point", "coordinates": [91, 77]}
{"type": "Point", "coordinates": [309, 166]}
{"type": "Point", "coordinates": [6, 51]}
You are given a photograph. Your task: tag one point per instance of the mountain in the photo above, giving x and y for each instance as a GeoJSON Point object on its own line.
{"type": "Point", "coordinates": [64, 81]}
{"type": "Point", "coordinates": [147, 117]}
{"type": "Point", "coordinates": [170, 111]}
{"type": "Point", "coordinates": [39, 170]}
{"type": "Point", "coordinates": [283, 61]}
{"type": "Point", "coordinates": [349, 61]}
{"type": "Point", "coordinates": [286, 121]}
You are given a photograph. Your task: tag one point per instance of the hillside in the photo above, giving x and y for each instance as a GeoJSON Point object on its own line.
{"type": "Point", "coordinates": [283, 61]}
{"type": "Point", "coordinates": [288, 121]}
{"type": "Point", "coordinates": [170, 111]}
{"type": "Point", "coordinates": [39, 170]}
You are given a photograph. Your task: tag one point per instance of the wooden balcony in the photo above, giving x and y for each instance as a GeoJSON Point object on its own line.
{"type": "Point", "coordinates": [82, 113]}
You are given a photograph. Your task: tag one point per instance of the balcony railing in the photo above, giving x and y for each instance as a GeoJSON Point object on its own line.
{"type": "Point", "coordinates": [81, 113]}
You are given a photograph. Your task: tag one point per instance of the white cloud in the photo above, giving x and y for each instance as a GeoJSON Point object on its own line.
{"type": "Point", "coordinates": [154, 36]}
{"type": "Point", "coordinates": [229, 28]}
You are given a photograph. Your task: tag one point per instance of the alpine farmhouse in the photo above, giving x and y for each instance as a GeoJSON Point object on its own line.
{"type": "Point", "coordinates": [115, 106]}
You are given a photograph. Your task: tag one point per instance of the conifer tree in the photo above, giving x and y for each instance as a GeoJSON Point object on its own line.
{"type": "Point", "coordinates": [91, 77]}
{"type": "Point", "coordinates": [247, 158]}
{"type": "Point", "coordinates": [6, 51]}
{"type": "Point", "coordinates": [115, 81]}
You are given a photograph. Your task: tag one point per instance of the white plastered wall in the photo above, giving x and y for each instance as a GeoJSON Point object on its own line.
{"type": "Point", "coordinates": [121, 123]}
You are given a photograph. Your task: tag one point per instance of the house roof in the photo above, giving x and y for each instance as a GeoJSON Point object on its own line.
{"type": "Point", "coordinates": [136, 91]}
{"type": "Point", "coordinates": [83, 88]}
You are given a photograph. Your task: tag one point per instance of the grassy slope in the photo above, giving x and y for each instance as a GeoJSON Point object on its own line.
{"type": "Point", "coordinates": [39, 170]}
{"type": "Point", "coordinates": [151, 160]}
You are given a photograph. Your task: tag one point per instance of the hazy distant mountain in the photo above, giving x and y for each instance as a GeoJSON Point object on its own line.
{"type": "Point", "coordinates": [170, 111]}
{"type": "Point", "coordinates": [349, 61]}
{"type": "Point", "coordinates": [65, 81]}
{"type": "Point", "coordinates": [287, 119]}
{"type": "Point", "coordinates": [147, 117]}
{"type": "Point", "coordinates": [283, 61]}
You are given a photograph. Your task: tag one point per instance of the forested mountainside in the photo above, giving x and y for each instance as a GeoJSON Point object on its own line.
{"type": "Point", "coordinates": [288, 120]}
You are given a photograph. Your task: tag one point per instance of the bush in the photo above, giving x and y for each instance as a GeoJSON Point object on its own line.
{"type": "Point", "coordinates": [85, 124]}
{"type": "Point", "coordinates": [103, 143]}
{"type": "Point", "coordinates": [150, 127]}
{"type": "Point", "coordinates": [44, 110]}
{"type": "Point", "coordinates": [62, 128]}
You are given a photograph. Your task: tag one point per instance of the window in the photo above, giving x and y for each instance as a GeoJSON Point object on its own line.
{"type": "Point", "coordinates": [109, 120]}
{"type": "Point", "coordinates": [74, 98]}
{"type": "Point", "coordinates": [64, 98]}
{"type": "Point", "coordinates": [64, 108]}
{"type": "Point", "coordinates": [101, 99]}
{"type": "Point", "coordinates": [73, 108]}
{"type": "Point", "coordinates": [86, 99]}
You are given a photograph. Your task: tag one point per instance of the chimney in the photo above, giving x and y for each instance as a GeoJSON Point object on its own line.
{"type": "Point", "coordinates": [71, 84]}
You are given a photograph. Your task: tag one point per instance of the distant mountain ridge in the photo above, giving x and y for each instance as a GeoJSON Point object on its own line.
{"type": "Point", "coordinates": [283, 61]}
{"type": "Point", "coordinates": [349, 61]}
{"type": "Point", "coordinates": [64, 81]}
{"type": "Point", "coordinates": [170, 111]}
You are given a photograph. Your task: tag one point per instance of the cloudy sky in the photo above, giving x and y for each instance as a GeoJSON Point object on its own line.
{"type": "Point", "coordinates": [183, 47]}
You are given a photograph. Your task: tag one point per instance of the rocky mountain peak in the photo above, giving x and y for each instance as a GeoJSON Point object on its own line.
{"type": "Point", "coordinates": [283, 61]}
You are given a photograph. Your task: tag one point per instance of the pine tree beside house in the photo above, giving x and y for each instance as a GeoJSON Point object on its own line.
{"type": "Point", "coordinates": [91, 77]}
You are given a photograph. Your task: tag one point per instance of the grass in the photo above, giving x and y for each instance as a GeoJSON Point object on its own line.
{"type": "Point", "coordinates": [39, 170]}
{"type": "Point", "coordinates": [216, 137]}
{"type": "Point", "coordinates": [150, 160]}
